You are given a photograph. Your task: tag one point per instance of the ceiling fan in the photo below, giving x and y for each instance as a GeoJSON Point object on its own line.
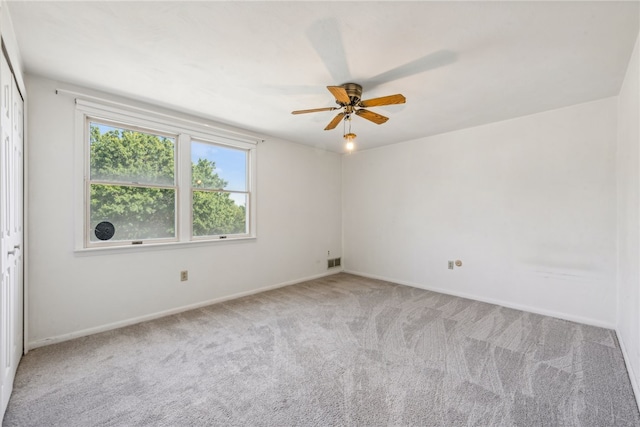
{"type": "Point", "coordinates": [348, 97]}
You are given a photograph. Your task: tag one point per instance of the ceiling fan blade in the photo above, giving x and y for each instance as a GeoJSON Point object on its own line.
{"type": "Point", "coordinates": [340, 94]}
{"type": "Point", "coordinates": [371, 116]}
{"type": "Point", "coordinates": [384, 100]}
{"type": "Point", "coordinates": [337, 119]}
{"type": "Point", "coordinates": [326, 38]}
{"type": "Point", "coordinates": [417, 66]}
{"type": "Point", "coordinates": [314, 110]}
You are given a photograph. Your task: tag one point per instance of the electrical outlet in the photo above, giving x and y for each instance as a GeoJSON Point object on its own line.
{"type": "Point", "coordinates": [184, 275]}
{"type": "Point", "coordinates": [450, 263]}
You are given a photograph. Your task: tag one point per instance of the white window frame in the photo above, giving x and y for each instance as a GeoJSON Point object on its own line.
{"type": "Point", "coordinates": [185, 131]}
{"type": "Point", "coordinates": [247, 192]}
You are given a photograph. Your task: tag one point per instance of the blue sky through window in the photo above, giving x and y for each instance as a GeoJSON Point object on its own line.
{"type": "Point", "coordinates": [231, 165]}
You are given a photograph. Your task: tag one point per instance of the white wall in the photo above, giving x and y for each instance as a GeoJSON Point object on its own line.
{"type": "Point", "coordinates": [299, 220]}
{"type": "Point", "coordinates": [11, 45]}
{"type": "Point", "coordinates": [628, 321]}
{"type": "Point", "coordinates": [528, 205]}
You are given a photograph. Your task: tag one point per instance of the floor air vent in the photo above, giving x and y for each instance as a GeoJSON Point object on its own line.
{"type": "Point", "coordinates": [335, 262]}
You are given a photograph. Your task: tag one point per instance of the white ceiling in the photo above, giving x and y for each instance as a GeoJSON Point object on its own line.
{"type": "Point", "coordinates": [249, 64]}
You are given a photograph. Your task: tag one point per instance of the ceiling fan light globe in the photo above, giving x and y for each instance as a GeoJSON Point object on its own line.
{"type": "Point", "coordinates": [350, 141]}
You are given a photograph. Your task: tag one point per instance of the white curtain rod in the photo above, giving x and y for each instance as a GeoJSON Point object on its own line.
{"type": "Point", "coordinates": [144, 110]}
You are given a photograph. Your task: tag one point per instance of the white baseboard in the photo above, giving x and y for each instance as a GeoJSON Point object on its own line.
{"type": "Point", "coordinates": [147, 317]}
{"type": "Point", "coordinates": [528, 308]}
{"type": "Point", "coordinates": [632, 374]}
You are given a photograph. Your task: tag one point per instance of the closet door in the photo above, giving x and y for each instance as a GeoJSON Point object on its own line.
{"type": "Point", "coordinates": [17, 202]}
{"type": "Point", "coordinates": [11, 220]}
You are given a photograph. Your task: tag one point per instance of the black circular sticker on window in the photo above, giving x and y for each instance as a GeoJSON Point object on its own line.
{"type": "Point", "coordinates": [105, 230]}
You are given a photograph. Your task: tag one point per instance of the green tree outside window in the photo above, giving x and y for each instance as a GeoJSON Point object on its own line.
{"type": "Point", "coordinates": [133, 187]}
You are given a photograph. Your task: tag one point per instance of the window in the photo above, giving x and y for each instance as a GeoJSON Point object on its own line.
{"type": "Point", "coordinates": [132, 183]}
{"type": "Point", "coordinates": [150, 180]}
{"type": "Point", "coordinates": [219, 190]}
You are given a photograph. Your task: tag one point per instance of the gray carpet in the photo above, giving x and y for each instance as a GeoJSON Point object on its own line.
{"type": "Point", "coordinates": [342, 350]}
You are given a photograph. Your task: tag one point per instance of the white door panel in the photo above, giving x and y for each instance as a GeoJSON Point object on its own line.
{"type": "Point", "coordinates": [11, 231]}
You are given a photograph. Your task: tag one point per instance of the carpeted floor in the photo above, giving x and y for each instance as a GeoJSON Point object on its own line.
{"type": "Point", "coordinates": [341, 350]}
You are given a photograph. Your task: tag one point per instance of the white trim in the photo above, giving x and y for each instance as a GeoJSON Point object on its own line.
{"type": "Point", "coordinates": [80, 168]}
{"type": "Point", "coordinates": [527, 308]}
{"type": "Point", "coordinates": [204, 126]}
{"type": "Point", "coordinates": [161, 246]}
{"type": "Point", "coordinates": [634, 382]}
{"type": "Point", "coordinates": [184, 216]}
{"type": "Point", "coordinates": [162, 123]}
{"type": "Point", "coordinates": [115, 325]}
{"type": "Point", "coordinates": [252, 184]}
{"type": "Point", "coordinates": [25, 229]}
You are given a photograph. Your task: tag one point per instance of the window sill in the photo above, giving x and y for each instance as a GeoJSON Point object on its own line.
{"type": "Point", "coordinates": [160, 246]}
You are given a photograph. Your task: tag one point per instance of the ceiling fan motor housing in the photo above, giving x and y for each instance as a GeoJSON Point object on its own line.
{"type": "Point", "coordinates": [354, 91]}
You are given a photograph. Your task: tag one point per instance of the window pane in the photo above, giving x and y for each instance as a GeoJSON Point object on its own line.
{"type": "Point", "coordinates": [218, 213]}
{"type": "Point", "coordinates": [216, 167]}
{"type": "Point", "coordinates": [137, 213]}
{"type": "Point", "coordinates": [123, 155]}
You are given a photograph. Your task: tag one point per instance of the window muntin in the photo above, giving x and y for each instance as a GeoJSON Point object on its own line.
{"type": "Point", "coordinates": [220, 193]}
{"type": "Point", "coordinates": [131, 182]}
